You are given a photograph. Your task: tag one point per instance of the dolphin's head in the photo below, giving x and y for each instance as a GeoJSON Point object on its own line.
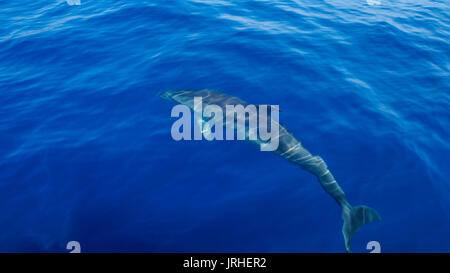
{"type": "Point", "coordinates": [168, 95]}
{"type": "Point", "coordinates": [185, 97]}
{"type": "Point", "coordinates": [177, 95]}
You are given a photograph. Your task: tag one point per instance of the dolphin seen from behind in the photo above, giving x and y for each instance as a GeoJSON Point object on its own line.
{"type": "Point", "coordinates": [292, 150]}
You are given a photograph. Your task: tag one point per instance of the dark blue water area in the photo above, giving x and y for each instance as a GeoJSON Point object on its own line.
{"type": "Point", "coordinates": [86, 152]}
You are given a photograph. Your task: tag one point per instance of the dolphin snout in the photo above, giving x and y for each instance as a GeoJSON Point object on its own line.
{"type": "Point", "coordinates": [165, 95]}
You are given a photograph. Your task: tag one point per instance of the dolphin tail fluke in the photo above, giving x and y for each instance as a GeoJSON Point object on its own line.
{"type": "Point", "coordinates": [354, 218]}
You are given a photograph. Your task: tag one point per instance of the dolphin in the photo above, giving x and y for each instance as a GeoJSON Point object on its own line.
{"type": "Point", "coordinates": [292, 150]}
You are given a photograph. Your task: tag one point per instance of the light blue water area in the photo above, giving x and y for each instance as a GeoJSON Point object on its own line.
{"type": "Point", "coordinates": [85, 146]}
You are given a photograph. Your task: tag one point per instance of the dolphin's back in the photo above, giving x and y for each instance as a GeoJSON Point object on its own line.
{"type": "Point", "coordinates": [289, 147]}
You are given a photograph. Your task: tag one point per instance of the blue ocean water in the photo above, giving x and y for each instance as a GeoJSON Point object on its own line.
{"type": "Point", "coordinates": [85, 146]}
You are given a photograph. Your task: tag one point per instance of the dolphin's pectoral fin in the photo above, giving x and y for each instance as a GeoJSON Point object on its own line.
{"type": "Point", "coordinates": [206, 131]}
{"type": "Point", "coordinates": [205, 128]}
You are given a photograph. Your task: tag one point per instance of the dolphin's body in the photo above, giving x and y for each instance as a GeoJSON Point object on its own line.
{"type": "Point", "coordinates": [292, 150]}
